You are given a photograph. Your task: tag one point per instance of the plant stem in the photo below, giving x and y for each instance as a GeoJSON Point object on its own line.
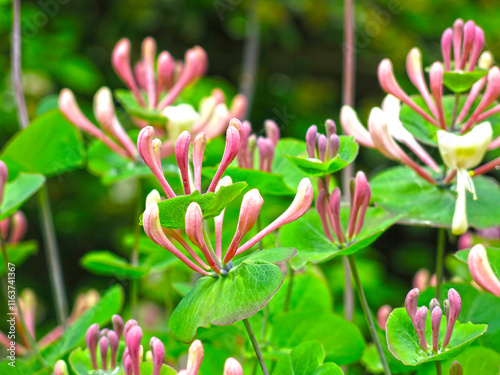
{"type": "Point", "coordinates": [289, 288]}
{"type": "Point", "coordinates": [52, 251]}
{"type": "Point", "coordinates": [255, 345]}
{"type": "Point", "coordinates": [17, 79]}
{"type": "Point", "coordinates": [368, 315]}
{"type": "Point", "coordinates": [439, 261]}
{"type": "Point", "coordinates": [438, 368]}
{"type": "Point", "coordinates": [348, 290]}
{"type": "Point", "coordinates": [134, 257]}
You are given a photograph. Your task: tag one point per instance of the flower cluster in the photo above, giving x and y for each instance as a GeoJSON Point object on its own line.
{"type": "Point", "coordinates": [194, 222]}
{"type": "Point", "coordinates": [265, 146]}
{"type": "Point", "coordinates": [452, 307]}
{"type": "Point", "coordinates": [481, 270]}
{"type": "Point", "coordinates": [103, 347]}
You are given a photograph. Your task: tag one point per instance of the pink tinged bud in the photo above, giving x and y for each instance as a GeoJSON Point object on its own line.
{"type": "Point", "coordinates": [382, 316]}
{"type": "Point", "coordinates": [421, 279]}
{"type": "Point", "coordinates": [352, 126]}
{"type": "Point", "coordinates": [249, 213]}
{"type": "Point", "coordinates": [263, 147]}
{"type": "Point", "coordinates": [194, 231]}
{"type": "Point", "coordinates": [322, 143]}
{"type": "Point", "coordinates": [362, 210]}
{"type": "Point", "coordinates": [446, 307]}
{"type": "Point", "coordinates": [244, 153]}
{"type": "Point", "coordinates": [91, 338]}
{"type": "Point", "coordinates": [232, 367]}
{"type": "Point", "coordinates": [420, 319]}
{"type": "Point", "coordinates": [239, 107]}
{"type": "Point", "coordinates": [458, 27]}
{"type": "Point", "coordinates": [133, 342]}
{"type": "Point", "coordinates": [60, 368]}
{"type": "Point", "coordinates": [218, 222]}
{"type": "Point", "coordinates": [194, 358]}
{"type": "Point", "coordinates": [333, 212]}
{"type": "Point", "coordinates": [411, 304]}
{"type": "Point", "coordinates": [114, 341]}
{"type": "Point", "coordinates": [436, 78]}
{"type": "Point", "coordinates": [153, 230]}
{"type": "Point", "coordinates": [469, 32]}
{"type": "Point", "coordinates": [165, 71]}
{"type": "Point", "coordinates": [121, 64]}
{"type": "Point", "coordinates": [146, 149]}
{"type": "Point", "coordinates": [454, 308]}
{"type": "Point", "coordinates": [117, 322]}
{"type": "Point", "coordinates": [19, 225]}
{"type": "Point", "coordinates": [321, 207]}
{"type": "Point", "coordinates": [330, 128]}
{"type": "Point", "coordinates": [357, 200]}
{"type": "Point", "coordinates": [446, 41]}
{"type": "Point", "coordinates": [140, 75]}
{"type": "Point", "coordinates": [299, 207]}
{"type": "Point", "coordinates": [104, 347]}
{"type": "Point", "coordinates": [334, 146]}
{"type": "Point", "coordinates": [390, 85]}
{"type": "Point", "coordinates": [199, 144]}
{"type": "Point", "coordinates": [436, 316]}
{"type": "Point", "coordinates": [481, 270]}
{"type": "Point", "coordinates": [230, 151]}
{"type": "Point", "coordinates": [311, 141]}
{"type": "Point", "coordinates": [272, 131]}
{"type": "Point", "coordinates": [182, 157]}
{"type": "Point", "coordinates": [127, 364]}
{"type": "Point", "coordinates": [456, 368]}
{"type": "Point", "coordinates": [158, 354]}
{"type": "Point", "coordinates": [131, 323]}
{"type": "Point", "coordinates": [148, 49]}
{"type": "Point", "coordinates": [433, 304]}
{"type": "Point", "coordinates": [416, 75]}
{"type": "Point", "coordinates": [477, 47]}
{"type": "Point", "coordinates": [473, 94]}
{"type": "Point", "coordinates": [4, 174]}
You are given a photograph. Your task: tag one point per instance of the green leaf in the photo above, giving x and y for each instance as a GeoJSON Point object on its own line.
{"type": "Point", "coordinates": [314, 167]}
{"type": "Point", "coordinates": [101, 313]}
{"type": "Point", "coordinates": [18, 253]}
{"type": "Point", "coordinates": [50, 145]}
{"type": "Point", "coordinates": [227, 299]}
{"type": "Point", "coordinates": [493, 258]}
{"type": "Point", "coordinates": [19, 191]}
{"type": "Point", "coordinates": [128, 101]}
{"type": "Point", "coordinates": [306, 359]}
{"type": "Point", "coordinates": [459, 82]}
{"type": "Point", "coordinates": [397, 189]}
{"type": "Point", "coordinates": [266, 183]}
{"type": "Point", "coordinates": [18, 367]}
{"type": "Point", "coordinates": [485, 309]}
{"type": "Point", "coordinates": [275, 255]}
{"type": "Point", "coordinates": [80, 363]}
{"type": "Point", "coordinates": [106, 263]}
{"type": "Point", "coordinates": [342, 340]}
{"type": "Point", "coordinates": [307, 235]}
{"type": "Point", "coordinates": [290, 172]}
{"type": "Point", "coordinates": [404, 345]}
{"type": "Point", "coordinates": [173, 210]}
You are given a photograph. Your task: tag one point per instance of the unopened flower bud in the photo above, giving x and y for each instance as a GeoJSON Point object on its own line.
{"type": "Point", "coordinates": [455, 307]}
{"type": "Point", "coordinates": [433, 304]}
{"type": "Point", "coordinates": [104, 347]}
{"type": "Point", "coordinates": [334, 145]}
{"type": "Point", "coordinates": [195, 357]}
{"type": "Point", "coordinates": [481, 270]}
{"type": "Point", "coordinates": [158, 354]}
{"type": "Point", "coordinates": [436, 316]}
{"type": "Point", "coordinates": [421, 279]}
{"type": "Point", "coordinates": [485, 60]}
{"type": "Point", "coordinates": [199, 145]}
{"type": "Point", "coordinates": [114, 341]}
{"type": "Point", "coordinates": [60, 368]}
{"type": "Point", "coordinates": [232, 367]}
{"type": "Point", "coordinates": [420, 319]}
{"type": "Point", "coordinates": [446, 41]}
{"type": "Point", "coordinates": [311, 141]}
{"type": "Point", "coordinates": [131, 323]}
{"type": "Point", "coordinates": [19, 225]}
{"type": "Point", "coordinates": [153, 197]}
{"type": "Point", "coordinates": [321, 146]}
{"type": "Point", "coordinates": [411, 303]}
{"type": "Point", "coordinates": [117, 322]}
{"type": "Point", "coordinates": [382, 316]}
{"type": "Point", "coordinates": [91, 338]}
{"type": "Point", "coordinates": [272, 131]}
{"type": "Point", "coordinates": [330, 127]}
{"type": "Point", "coordinates": [182, 157]}
{"type": "Point", "coordinates": [121, 64]}
{"type": "Point", "coordinates": [456, 368]}
{"type": "Point", "coordinates": [133, 342]}
{"type": "Point", "coordinates": [469, 32]}
{"type": "Point", "coordinates": [477, 47]}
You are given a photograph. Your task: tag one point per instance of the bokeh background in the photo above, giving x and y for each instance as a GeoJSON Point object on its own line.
{"type": "Point", "coordinates": [68, 43]}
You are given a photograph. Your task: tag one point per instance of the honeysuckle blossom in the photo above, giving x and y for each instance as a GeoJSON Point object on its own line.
{"type": "Point", "coordinates": [60, 368]}
{"type": "Point", "coordinates": [14, 228]}
{"type": "Point", "coordinates": [265, 146]}
{"type": "Point", "coordinates": [105, 343]}
{"type": "Point", "coordinates": [452, 307]}
{"type": "Point", "coordinates": [461, 153]}
{"type": "Point", "coordinates": [481, 270]}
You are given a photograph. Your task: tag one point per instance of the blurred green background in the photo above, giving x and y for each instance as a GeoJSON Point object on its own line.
{"type": "Point", "coordinates": [68, 43]}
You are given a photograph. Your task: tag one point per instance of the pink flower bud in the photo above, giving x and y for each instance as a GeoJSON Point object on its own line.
{"type": "Point", "coordinates": [416, 74]}
{"type": "Point", "coordinates": [334, 146]}
{"type": "Point", "coordinates": [19, 225]}
{"type": "Point", "coordinates": [4, 227]}
{"type": "Point", "coordinates": [158, 354]}
{"type": "Point", "coordinates": [131, 323]}
{"type": "Point", "coordinates": [230, 151]}
{"type": "Point", "coordinates": [446, 306]}
{"type": "Point", "coordinates": [148, 49]}
{"type": "Point", "coordinates": [311, 141]}
{"type": "Point", "coordinates": [194, 231]}
{"type": "Point", "coordinates": [352, 126]}
{"type": "Point", "coordinates": [420, 319]}
{"type": "Point", "coordinates": [145, 146]}
{"type": "Point", "coordinates": [121, 64]}
{"type": "Point", "coordinates": [4, 175]}
{"type": "Point", "coordinates": [455, 306]}
{"type": "Point", "coordinates": [333, 212]}
{"type": "Point", "coordinates": [456, 368]}
{"type": "Point", "coordinates": [299, 207]}
{"type": "Point", "coordinates": [330, 127]}
{"type": "Point", "coordinates": [182, 157]}
{"type": "Point", "coordinates": [127, 363]}
{"type": "Point", "coordinates": [133, 342]}
{"type": "Point", "coordinates": [117, 325]}
{"type": "Point", "coordinates": [436, 316]}
{"type": "Point", "coordinates": [433, 304]}
{"type": "Point", "coordinates": [436, 77]}
{"type": "Point", "coordinates": [477, 47]}
{"type": "Point", "coordinates": [411, 304]}
{"type": "Point", "coordinates": [458, 27]}
{"type": "Point", "coordinates": [446, 41]}
{"type": "Point", "coordinates": [114, 342]}
{"type": "Point", "coordinates": [195, 357]}
{"type": "Point", "coordinates": [469, 31]}
{"type": "Point", "coordinates": [361, 188]}
{"type": "Point", "coordinates": [91, 338]}
{"type": "Point", "coordinates": [249, 213]}
{"type": "Point", "coordinates": [272, 131]}
{"type": "Point", "coordinates": [321, 146]}
{"type": "Point", "coordinates": [104, 346]}
{"type": "Point", "coordinates": [60, 368]}
{"type": "Point", "coordinates": [421, 279]}
{"type": "Point", "coordinates": [165, 71]}
{"type": "Point", "coordinates": [232, 367]}
{"type": "Point", "coordinates": [382, 316]}
{"type": "Point", "coordinates": [321, 207]}
{"type": "Point", "coordinates": [199, 145]}
{"type": "Point", "coordinates": [490, 95]}
{"type": "Point", "coordinates": [265, 148]}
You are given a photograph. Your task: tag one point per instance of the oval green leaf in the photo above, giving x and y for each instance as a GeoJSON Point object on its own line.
{"type": "Point", "coordinates": [18, 253]}
{"type": "Point", "coordinates": [459, 82]}
{"type": "Point", "coordinates": [105, 263]}
{"type": "Point", "coordinates": [128, 101]}
{"type": "Point", "coordinates": [19, 191]}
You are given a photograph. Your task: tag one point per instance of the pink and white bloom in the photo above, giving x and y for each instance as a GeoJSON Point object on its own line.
{"type": "Point", "coordinates": [481, 270]}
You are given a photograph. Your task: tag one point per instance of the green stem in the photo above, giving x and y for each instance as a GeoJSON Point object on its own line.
{"type": "Point", "coordinates": [368, 315]}
{"type": "Point", "coordinates": [134, 257]}
{"type": "Point", "coordinates": [289, 288]}
{"type": "Point", "coordinates": [348, 290]}
{"type": "Point", "coordinates": [438, 368]}
{"type": "Point", "coordinates": [255, 345]}
{"type": "Point", "coordinates": [52, 251]}
{"type": "Point", "coordinates": [210, 247]}
{"type": "Point", "coordinates": [439, 261]}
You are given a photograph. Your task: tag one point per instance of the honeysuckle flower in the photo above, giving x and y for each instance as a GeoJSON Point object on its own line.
{"type": "Point", "coordinates": [91, 338]}
{"type": "Point", "coordinates": [103, 347]}
{"type": "Point", "coordinates": [436, 315]}
{"type": "Point", "coordinates": [461, 153]}
{"type": "Point", "coordinates": [382, 316]}
{"type": "Point", "coordinates": [232, 367]}
{"type": "Point", "coordinates": [481, 270]}
{"type": "Point", "coordinates": [453, 307]}
{"type": "Point", "coordinates": [265, 146]}
{"type": "Point", "coordinates": [105, 114]}
{"type": "Point", "coordinates": [60, 368]}
{"type": "Point", "coordinates": [420, 319]}
{"type": "Point", "coordinates": [133, 342]}
{"type": "Point", "coordinates": [180, 118]}
{"type": "Point", "coordinates": [196, 354]}
{"type": "Point", "coordinates": [157, 354]}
